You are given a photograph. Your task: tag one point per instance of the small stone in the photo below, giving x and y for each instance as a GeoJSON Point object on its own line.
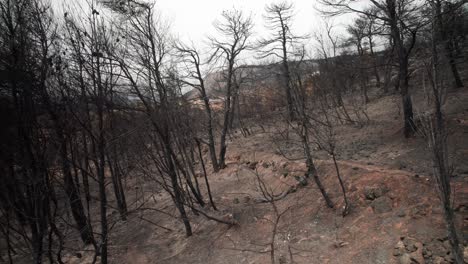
{"type": "Point", "coordinates": [374, 192]}
{"type": "Point", "coordinates": [439, 260]}
{"type": "Point", "coordinates": [382, 205]}
{"type": "Point", "coordinates": [449, 258]}
{"type": "Point", "coordinates": [410, 244]}
{"type": "Point", "coordinates": [447, 245]}
{"type": "Point", "coordinates": [399, 248]}
{"type": "Point", "coordinates": [437, 248]}
{"type": "Point", "coordinates": [253, 165]}
{"type": "Point", "coordinates": [302, 180]}
{"type": "Point", "coordinates": [400, 244]}
{"type": "Point", "coordinates": [401, 213]}
{"type": "Point", "coordinates": [417, 256]}
{"type": "Point", "coordinates": [405, 259]}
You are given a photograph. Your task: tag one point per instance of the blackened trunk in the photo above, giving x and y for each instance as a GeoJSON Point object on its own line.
{"type": "Point", "coordinates": [227, 115]}
{"type": "Point", "coordinates": [76, 206]}
{"type": "Point", "coordinates": [205, 176]}
{"type": "Point", "coordinates": [118, 189]}
{"type": "Point", "coordinates": [409, 126]}
{"type": "Point", "coordinates": [311, 170]}
{"type": "Point", "coordinates": [178, 199]}
{"type": "Point", "coordinates": [453, 66]}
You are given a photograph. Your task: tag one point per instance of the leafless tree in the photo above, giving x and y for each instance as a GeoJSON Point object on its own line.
{"type": "Point", "coordinates": [435, 131]}
{"type": "Point", "coordinates": [235, 30]}
{"type": "Point", "coordinates": [279, 18]}
{"type": "Point", "coordinates": [193, 62]}
{"type": "Point", "coordinates": [403, 21]}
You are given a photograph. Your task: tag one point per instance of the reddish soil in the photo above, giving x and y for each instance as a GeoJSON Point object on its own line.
{"type": "Point", "coordinates": [375, 155]}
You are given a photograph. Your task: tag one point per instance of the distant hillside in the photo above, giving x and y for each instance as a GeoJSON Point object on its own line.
{"type": "Point", "coordinates": [252, 77]}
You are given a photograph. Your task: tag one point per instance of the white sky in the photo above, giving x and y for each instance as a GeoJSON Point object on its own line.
{"type": "Point", "coordinates": [193, 20]}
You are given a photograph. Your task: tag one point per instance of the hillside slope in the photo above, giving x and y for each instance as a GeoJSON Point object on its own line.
{"type": "Point", "coordinates": [395, 214]}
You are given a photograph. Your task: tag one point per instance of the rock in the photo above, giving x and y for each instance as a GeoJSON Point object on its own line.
{"type": "Point", "coordinates": [265, 164]}
{"type": "Point", "coordinates": [246, 199]}
{"type": "Point", "coordinates": [427, 253]}
{"type": "Point", "coordinates": [401, 213]}
{"type": "Point", "coordinates": [410, 244]}
{"type": "Point", "coordinates": [405, 259]}
{"type": "Point", "coordinates": [399, 249]}
{"type": "Point", "coordinates": [419, 210]}
{"type": "Point", "coordinates": [374, 192]}
{"type": "Point", "coordinates": [417, 256]}
{"type": "Point", "coordinates": [447, 245]}
{"type": "Point", "coordinates": [449, 258]}
{"type": "Point", "coordinates": [439, 260]}
{"type": "Point", "coordinates": [382, 205]}
{"type": "Point", "coordinates": [302, 180]}
{"type": "Point", "coordinates": [437, 248]}
{"type": "Point", "coordinates": [236, 200]}
{"type": "Point", "coordinates": [253, 165]}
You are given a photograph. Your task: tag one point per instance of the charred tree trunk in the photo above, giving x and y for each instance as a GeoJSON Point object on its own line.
{"type": "Point", "coordinates": [311, 170]}
{"type": "Point", "coordinates": [403, 74]}
{"type": "Point", "coordinates": [205, 175]}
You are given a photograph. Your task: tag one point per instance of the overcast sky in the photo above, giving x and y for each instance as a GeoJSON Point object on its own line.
{"type": "Point", "coordinates": [193, 20]}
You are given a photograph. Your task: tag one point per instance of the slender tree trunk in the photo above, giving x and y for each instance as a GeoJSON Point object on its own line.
{"type": "Point", "coordinates": [449, 49]}
{"type": "Point", "coordinates": [76, 206]}
{"type": "Point", "coordinates": [227, 115]}
{"type": "Point", "coordinates": [117, 186]}
{"type": "Point", "coordinates": [311, 170]}
{"type": "Point", "coordinates": [403, 58]}
{"type": "Point", "coordinates": [211, 142]}
{"type": "Point", "coordinates": [178, 199]}
{"type": "Point", "coordinates": [438, 143]}
{"type": "Point", "coordinates": [409, 126]}
{"type": "Point", "coordinates": [205, 176]}
{"type": "Point", "coordinates": [343, 189]}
